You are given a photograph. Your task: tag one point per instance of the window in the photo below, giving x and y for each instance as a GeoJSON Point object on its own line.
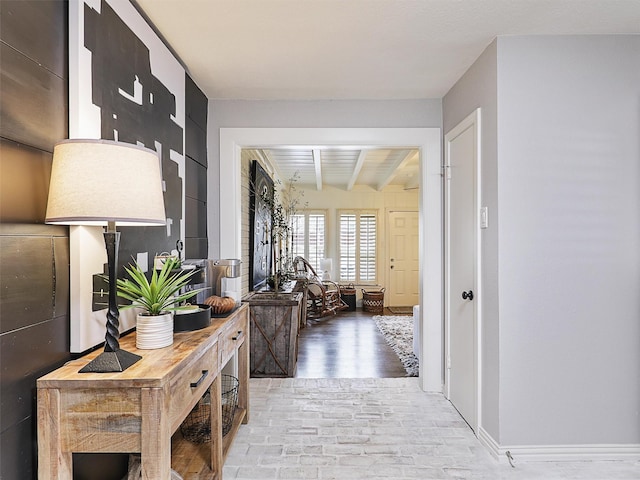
{"type": "Point", "coordinates": [357, 246]}
{"type": "Point", "coordinates": [308, 237]}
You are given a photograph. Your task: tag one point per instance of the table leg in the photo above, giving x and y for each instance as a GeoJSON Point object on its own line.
{"type": "Point", "coordinates": [156, 435]}
{"type": "Point", "coordinates": [217, 458]}
{"type": "Point", "coordinates": [53, 463]}
{"type": "Point", "coordinates": [243, 377]}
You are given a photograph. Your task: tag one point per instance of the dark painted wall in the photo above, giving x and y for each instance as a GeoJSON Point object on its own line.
{"type": "Point", "coordinates": [34, 257]}
{"type": "Point", "coordinates": [196, 107]}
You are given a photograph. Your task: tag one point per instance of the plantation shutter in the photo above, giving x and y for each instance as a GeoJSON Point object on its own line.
{"type": "Point", "coordinates": [348, 236]}
{"type": "Point", "coordinates": [367, 261]}
{"type": "Point", "coordinates": [308, 237]}
{"type": "Point", "coordinates": [358, 249]}
{"type": "Point", "coordinates": [316, 240]}
{"type": "Point", "coordinates": [297, 235]}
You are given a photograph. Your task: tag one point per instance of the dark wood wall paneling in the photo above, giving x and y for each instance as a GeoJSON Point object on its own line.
{"type": "Point", "coordinates": [196, 172]}
{"type": "Point", "coordinates": [34, 258]}
{"type": "Point", "coordinates": [33, 48]}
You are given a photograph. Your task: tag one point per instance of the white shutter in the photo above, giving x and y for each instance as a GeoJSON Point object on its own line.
{"type": "Point", "coordinates": [297, 235]}
{"type": "Point", "coordinates": [316, 240]}
{"type": "Point", "coordinates": [358, 248]}
{"type": "Point", "coordinates": [308, 237]}
{"type": "Point", "coordinates": [367, 260]}
{"type": "Point", "coordinates": [347, 246]}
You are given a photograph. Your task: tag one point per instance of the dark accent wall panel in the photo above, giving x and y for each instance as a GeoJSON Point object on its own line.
{"type": "Point", "coordinates": [196, 180]}
{"type": "Point", "coordinates": [33, 104]}
{"type": "Point", "coordinates": [34, 27]}
{"type": "Point", "coordinates": [196, 142]}
{"type": "Point", "coordinates": [196, 247]}
{"type": "Point", "coordinates": [34, 258]}
{"type": "Point", "coordinates": [198, 105]}
{"type": "Point", "coordinates": [24, 183]}
{"type": "Point", "coordinates": [196, 216]}
{"type": "Point", "coordinates": [26, 276]}
{"type": "Point", "coordinates": [25, 355]}
{"type": "Point", "coordinates": [34, 331]}
{"type": "Point", "coordinates": [17, 444]}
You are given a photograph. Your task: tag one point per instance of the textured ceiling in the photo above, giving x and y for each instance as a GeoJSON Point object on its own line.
{"type": "Point", "coordinates": [359, 49]}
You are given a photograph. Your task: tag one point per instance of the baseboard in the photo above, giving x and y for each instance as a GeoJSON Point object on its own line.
{"type": "Point", "coordinates": [558, 453]}
{"type": "Point", "coordinates": [492, 446]}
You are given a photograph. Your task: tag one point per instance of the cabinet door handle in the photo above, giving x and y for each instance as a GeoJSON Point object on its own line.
{"type": "Point", "coordinates": [204, 375]}
{"type": "Point", "coordinates": [237, 336]}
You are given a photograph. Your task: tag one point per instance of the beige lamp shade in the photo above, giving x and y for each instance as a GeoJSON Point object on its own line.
{"type": "Point", "coordinates": [94, 182]}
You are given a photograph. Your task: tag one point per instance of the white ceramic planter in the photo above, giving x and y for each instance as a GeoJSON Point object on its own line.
{"type": "Point", "coordinates": [154, 331]}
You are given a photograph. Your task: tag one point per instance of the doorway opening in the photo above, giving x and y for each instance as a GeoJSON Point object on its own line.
{"type": "Point", "coordinates": [426, 140]}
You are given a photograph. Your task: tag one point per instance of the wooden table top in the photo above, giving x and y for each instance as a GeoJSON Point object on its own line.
{"type": "Point", "coordinates": [150, 371]}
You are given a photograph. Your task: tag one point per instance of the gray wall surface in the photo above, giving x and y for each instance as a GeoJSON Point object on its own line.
{"type": "Point", "coordinates": [561, 178]}
{"type": "Point", "coordinates": [478, 89]}
{"type": "Point", "coordinates": [305, 114]}
{"type": "Point", "coordinates": [569, 192]}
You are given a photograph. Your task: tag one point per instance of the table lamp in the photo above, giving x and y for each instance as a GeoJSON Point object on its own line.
{"type": "Point", "coordinates": [102, 182]}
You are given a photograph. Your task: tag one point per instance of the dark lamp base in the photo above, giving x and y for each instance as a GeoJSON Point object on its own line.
{"type": "Point", "coordinates": [117, 361]}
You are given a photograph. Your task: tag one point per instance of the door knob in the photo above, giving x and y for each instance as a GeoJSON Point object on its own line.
{"type": "Point", "coordinates": [467, 295]}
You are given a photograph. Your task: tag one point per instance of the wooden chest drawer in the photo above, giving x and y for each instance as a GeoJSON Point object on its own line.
{"type": "Point", "coordinates": [232, 337]}
{"type": "Point", "coordinates": [191, 384]}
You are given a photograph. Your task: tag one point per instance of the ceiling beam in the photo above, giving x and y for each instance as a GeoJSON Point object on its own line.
{"type": "Point", "coordinates": [356, 169]}
{"type": "Point", "coordinates": [391, 173]}
{"type": "Point", "coordinates": [317, 162]}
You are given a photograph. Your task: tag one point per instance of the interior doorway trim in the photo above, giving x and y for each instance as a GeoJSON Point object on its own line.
{"type": "Point", "coordinates": [427, 140]}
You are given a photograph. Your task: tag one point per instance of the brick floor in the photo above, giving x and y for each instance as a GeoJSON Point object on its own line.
{"type": "Point", "coordinates": [375, 428]}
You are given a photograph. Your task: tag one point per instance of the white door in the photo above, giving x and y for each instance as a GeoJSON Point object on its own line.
{"type": "Point", "coordinates": [403, 259]}
{"type": "Point", "coordinates": [462, 156]}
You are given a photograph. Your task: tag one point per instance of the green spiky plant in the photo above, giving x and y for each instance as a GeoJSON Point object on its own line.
{"type": "Point", "coordinates": [158, 295]}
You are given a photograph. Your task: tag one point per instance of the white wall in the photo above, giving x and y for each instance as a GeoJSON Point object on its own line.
{"type": "Point", "coordinates": [569, 193]}
{"type": "Point", "coordinates": [310, 114]}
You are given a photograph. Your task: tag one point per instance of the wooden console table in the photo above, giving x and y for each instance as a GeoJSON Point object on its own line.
{"type": "Point", "coordinates": [138, 410]}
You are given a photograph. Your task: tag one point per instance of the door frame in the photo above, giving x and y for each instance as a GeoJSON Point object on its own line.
{"type": "Point", "coordinates": [225, 227]}
{"type": "Point", "coordinates": [471, 121]}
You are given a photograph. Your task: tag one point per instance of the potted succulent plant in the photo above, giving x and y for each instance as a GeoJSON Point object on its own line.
{"type": "Point", "coordinates": [158, 297]}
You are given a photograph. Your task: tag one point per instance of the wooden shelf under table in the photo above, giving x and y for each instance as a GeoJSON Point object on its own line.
{"type": "Point", "coordinates": [192, 460]}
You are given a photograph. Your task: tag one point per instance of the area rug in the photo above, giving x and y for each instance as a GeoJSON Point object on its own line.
{"type": "Point", "coordinates": [398, 332]}
{"type": "Point", "coordinates": [401, 310]}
